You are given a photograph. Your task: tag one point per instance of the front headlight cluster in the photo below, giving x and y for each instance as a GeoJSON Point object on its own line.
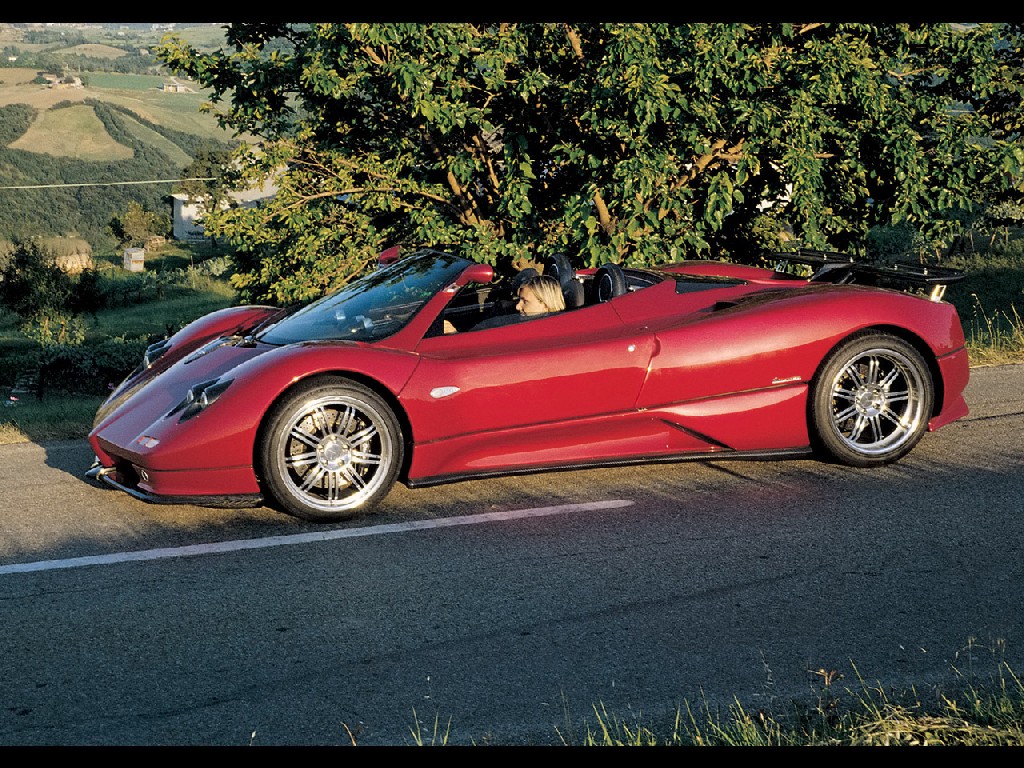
{"type": "Point", "coordinates": [200, 397]}
{"type": "Point", "coordinates": [154, 351]}
{"type": "Point", "coordinates": [150, 356]}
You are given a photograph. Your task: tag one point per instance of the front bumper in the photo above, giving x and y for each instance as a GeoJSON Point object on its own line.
{"type": "Point", "coordinates": [127, 480]}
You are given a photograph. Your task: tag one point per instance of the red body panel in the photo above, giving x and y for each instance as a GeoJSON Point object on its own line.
{"type": "Point", "coordinates": [657, 373]}
{"type": "Point", "coordinates": [760, 344]}
{"type": "Point", "coordinates": [224, 438]}
{"type": "Point", "coordinates": [955, 373]}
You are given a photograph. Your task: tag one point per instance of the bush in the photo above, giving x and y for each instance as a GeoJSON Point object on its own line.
{"type": "Point", "coordinates": [89, 369]}
{"type": "Point", "coordinates": [890, 242]}
{"type": "Point", "coordinates": [49, 327]}
{"type": "Point", "coordinates": [87, 297]}
{"type": "Point", "coordinates": [134, 288]}
{"type": "Point", "coordinates": [32, 282]}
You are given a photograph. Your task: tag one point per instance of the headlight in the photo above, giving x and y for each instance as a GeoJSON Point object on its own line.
{"type": "Point", "coordinates": [150, 356]}
{"type": "Point", "coordinates": [154, 351]}
{"type": "Point", "coordinates": [200, 397]}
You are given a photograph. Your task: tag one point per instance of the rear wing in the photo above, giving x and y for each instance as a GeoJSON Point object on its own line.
{"type": "Point", "coordinates": [842, 268]}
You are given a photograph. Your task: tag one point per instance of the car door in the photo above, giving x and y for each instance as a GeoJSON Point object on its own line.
{"type": "Point", "coordinates": [550, 371]}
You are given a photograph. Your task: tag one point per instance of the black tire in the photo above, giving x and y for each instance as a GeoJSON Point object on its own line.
{"type": "Point", "coordinates": [871, 400]}
{"type": "Point", "coordinates": [329, 450]}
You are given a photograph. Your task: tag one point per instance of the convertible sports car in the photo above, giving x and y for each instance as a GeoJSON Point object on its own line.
{"type": "Point", "coordinates": [320, 410]}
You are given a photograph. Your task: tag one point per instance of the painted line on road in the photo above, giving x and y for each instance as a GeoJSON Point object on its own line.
{"type": "Point", "coordinates": [306, 538]}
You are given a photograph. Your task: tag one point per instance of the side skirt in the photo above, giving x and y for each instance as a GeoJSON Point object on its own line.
{"type": "Point", "coordinates": [772, 455]}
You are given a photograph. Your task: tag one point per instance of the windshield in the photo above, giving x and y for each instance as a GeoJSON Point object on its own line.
{"type": "Point", "coordinates": [374, 306]}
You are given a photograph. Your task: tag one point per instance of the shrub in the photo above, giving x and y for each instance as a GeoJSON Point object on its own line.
{"type": "Point", "coordinates": [32, 282]}
{"type": "Point", "coordinates": [49, 327]}
{"type": "Point", "coordinates": [890, 242]}
{"type": "Point", "coordinates": [89, 369]}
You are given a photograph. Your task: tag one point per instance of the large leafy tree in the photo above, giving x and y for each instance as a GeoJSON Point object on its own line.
{"type": "Point", "coordinates": [631, 143]}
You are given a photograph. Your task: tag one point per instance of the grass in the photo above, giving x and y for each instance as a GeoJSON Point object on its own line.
{"type": "Point", "coordinates": [987, 300]}
{"type": "Point", "coordinates": [54, 418]}
{"type": "Point", "coordinates": [994, 338]}
{"type": "Point", "coordinates": [866, 716]}
{"type": "Point", "coordinates": [147, 320]}
{"type": "Point", "coordinates": [72, 132]}
{"type": "Point", "coordinates": [969, 710]}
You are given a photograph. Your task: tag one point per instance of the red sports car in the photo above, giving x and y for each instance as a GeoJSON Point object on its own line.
{"type": "Point", "coordinates": [320, 410]}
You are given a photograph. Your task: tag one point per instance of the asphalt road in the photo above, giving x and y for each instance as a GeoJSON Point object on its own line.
{"type": "Point", "coordinates": [504, 611]}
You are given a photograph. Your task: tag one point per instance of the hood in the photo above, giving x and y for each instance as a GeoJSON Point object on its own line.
{"type": "Point", "coordinates": [152, 393]}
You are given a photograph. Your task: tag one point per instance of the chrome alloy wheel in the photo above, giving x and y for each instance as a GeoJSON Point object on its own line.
{"type": "Point", "coordinates": [329, 449]}
{"type": "Point", "coordinates": [334, 453]}
{"type": "Point", "coordinates": [878, 401]}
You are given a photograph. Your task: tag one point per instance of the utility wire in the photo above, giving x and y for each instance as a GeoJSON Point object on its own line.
{"type": "Point", "coordinates": [105, 183]}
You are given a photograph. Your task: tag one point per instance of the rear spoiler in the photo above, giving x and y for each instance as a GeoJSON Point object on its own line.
{"type": "Point", "coordinates": [842, 268]}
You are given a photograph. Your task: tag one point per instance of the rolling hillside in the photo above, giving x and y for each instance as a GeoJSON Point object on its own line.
{"type": "Point", "coordinates": [93, 128]}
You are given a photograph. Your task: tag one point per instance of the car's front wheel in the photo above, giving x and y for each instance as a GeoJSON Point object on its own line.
{"type": "Point", "coordinates": [329, 450]}
{"type": "Point", "coordinates": [871, 401]}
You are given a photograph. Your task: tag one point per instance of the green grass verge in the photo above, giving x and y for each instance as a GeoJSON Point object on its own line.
{"type": "Point", "coordinates": [867, 716]}
{"type": "Point", "coordinates": [53, 418]}
{"type": "Point", "coordinates": [970, 709]}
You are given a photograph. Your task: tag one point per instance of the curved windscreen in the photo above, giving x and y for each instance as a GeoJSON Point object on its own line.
{"type": "Point", "coordinates": [374, 306]}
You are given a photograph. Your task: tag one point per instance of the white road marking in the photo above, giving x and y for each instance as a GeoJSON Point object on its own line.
{"type": "Point", "coordinates": [306, 538]}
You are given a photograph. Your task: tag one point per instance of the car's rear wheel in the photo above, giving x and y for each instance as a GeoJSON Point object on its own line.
{"type": "Point", "coordinates": [329, 450]}
{"type": "Point", "coordinates": [871, 401]}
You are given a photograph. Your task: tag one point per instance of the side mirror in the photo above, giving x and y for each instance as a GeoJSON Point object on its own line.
{"type": "Point", "coordinates": [478, 273]}
{"type": "Point", "coordinates": [390, 256]}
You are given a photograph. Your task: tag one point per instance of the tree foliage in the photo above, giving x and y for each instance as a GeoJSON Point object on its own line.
{"type": "Point", "coordinates": [203, 181]}
{"type": "Point", "coordinates": [630, 143]}
{"type": "Point", "coordinates": [136, 225]}
{"type": "Point", "coordinates": [31, 281]}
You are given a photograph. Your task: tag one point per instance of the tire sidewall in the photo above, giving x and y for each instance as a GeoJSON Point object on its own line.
{"type": "Point", "coordinates": [825, 436]}
{"type": "Point", "coordinates": [273, 436]}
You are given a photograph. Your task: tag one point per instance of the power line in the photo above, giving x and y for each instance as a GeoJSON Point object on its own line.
{"type": "Point", "coordinates": [105, 183]}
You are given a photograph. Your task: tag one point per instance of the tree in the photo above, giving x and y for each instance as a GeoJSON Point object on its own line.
{"type": "Point", "coordinates": [629, 143]}
{"type": "Point", "coordinates": [203, 177]}
{"type": "Point", "coordinates": [136, 224]}
{"type": "Point", "coordinates": [32, 283]}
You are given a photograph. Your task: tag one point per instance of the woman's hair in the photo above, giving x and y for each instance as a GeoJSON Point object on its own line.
{"type": "Point", "coordinates": [548, 291]}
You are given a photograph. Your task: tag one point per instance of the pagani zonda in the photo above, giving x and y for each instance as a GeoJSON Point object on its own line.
{"type": "Point", "coordinates": [320, 410]}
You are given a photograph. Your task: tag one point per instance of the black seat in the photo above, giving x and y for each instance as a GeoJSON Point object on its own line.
{"type": "Point", "coordinates": [507, 306]}
{"type": "Point", "coordinates": [557, 265]}
{"type": "Point", "coordinates": [574, 295]}
{"type": "Point", "coordinates": [609, 282]}
{"type": "Point", "coordinates": [521, 277]}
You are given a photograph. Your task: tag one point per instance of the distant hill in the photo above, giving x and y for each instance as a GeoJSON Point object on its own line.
{"type": "Point", "coordinates": [91, 127]}
{"type": "Point", "coordinates": [86, 162]}
{"type": "Point", "coordinates": [93, 50]}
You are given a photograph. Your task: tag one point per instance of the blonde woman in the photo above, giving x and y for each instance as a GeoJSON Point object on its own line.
{"type": "Point", "coordinates": [539, 295]}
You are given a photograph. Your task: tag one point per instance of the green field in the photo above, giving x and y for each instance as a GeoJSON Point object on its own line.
{"type": "Point", "coordinates": [73, 133]}
{"type": "Point", "coordinates": [115, 81]}
{"type": "Point", "coordinates": [74, 121]}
